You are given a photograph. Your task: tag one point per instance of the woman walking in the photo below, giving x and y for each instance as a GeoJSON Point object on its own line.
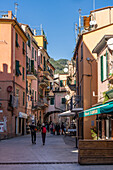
{"type": "Point", "coordinates": [43, 133]}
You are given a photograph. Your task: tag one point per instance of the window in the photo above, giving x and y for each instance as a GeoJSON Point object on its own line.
{"type": "Point", "coordinates": [61, 83]}
{"type": "Point", "coordinates": [23, 50]}
{"type": "Point", "coordinates": [26, 86]}
{"type": "Point", "coordinates": [35, 96]}
{"type": "Point", "coordinates": [45, 45]}
{"type": "Point", "coordinates": [104, 67]}
{"type": "Point", "coordinates": [32, 66]}
{"type": "Point", "coordinates": [52, 101]}
{"type": "Point", "coordinates": [44, 63]}
{"type": "Point", "coordinates": [23, 98]}
{"type": "Point", "coordinates": [32, 52]}
{"type": "Point", "coordinates": [35, 55]}
{"type": "Point", "coordinates": [29, 64]}
{"type": "Point", "coordinates": [16, 40]}
{"type": "Point", "coordinates": [23, 73]}
{"type": "Point", "coordinates": [29, 41]}
{"type": "Point", "coordinates": [63, 100]}
{"type": "Point", "coordinates": [41, 58]}
{"type": "Point", "coordinates": [17, 68]}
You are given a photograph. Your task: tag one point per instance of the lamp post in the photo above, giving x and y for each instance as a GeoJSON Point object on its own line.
{"type": "Point", "coordinates": [90, 62]}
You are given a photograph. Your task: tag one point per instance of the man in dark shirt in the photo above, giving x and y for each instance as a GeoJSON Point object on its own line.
{"type": "Point", "coordinates": [33, 132]}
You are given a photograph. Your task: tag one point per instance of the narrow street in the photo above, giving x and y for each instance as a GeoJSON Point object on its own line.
{"type": "Point", "coordinates": [59, 152]}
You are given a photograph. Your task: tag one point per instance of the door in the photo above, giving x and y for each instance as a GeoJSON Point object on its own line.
{"type": "Point", "coordinates": [22, 126]}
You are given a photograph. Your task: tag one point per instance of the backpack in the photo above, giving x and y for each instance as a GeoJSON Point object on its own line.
{"type": "Point", "coordinates": [44, 130]}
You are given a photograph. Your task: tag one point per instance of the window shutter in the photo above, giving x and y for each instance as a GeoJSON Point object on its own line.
{"type": "Point", "coordinates": [23, 73]}
{"type": "Point", "coordinates": [106, 64]}
{"type": "Point", "coordinates": [61, 83]}
{"type": "Point", "coordinates": [26, 86]}
{"type": "Point", "coordinates": [52, 101]}
{"type": "Point", "coordinates": [32, 66]}
{"type": "Point", "coordinates": [81, 50]}
{"type": "Point", "coordinates": [35, 55]}
{"type": "Point", "coordinates": [101, 68]}
{"type": "Point", "coordinates": [63, 100]}
{"type": "Point", "coordinates": [35, 96]}
{"type": "Point", "coordinates": [23, 48]}
{"type": "Point", "coordinates": [23, 98]}
{"type": "Point", "coordinates": [32, 52]}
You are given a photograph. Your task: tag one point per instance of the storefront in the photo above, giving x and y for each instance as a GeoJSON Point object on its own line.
{"type": "Point", "coordinates": [99, 118]}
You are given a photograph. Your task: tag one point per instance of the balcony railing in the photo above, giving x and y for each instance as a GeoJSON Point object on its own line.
{"type": "Point", "coordinates": [31, 75]}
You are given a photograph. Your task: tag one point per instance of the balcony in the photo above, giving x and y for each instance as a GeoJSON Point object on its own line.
{"type": "Point", "coordinates": [43, 84]}
{"type": "Point", "coordinates": [110, 79]}
{"type": "Point", "coordinates": [31, 75]}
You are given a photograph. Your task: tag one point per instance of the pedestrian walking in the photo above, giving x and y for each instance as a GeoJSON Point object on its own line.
{"type": "Point", "coordinates": [43, 133]}
{"type": "Point", "coordinates": [33, 132]}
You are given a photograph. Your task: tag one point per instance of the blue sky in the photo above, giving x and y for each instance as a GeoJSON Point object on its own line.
{"type": "Point", "coordinates": [57, 17]}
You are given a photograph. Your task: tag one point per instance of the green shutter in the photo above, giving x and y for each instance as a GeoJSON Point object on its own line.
{"type": "Point", "coordinates": [17, 40]}
{"type": "Point", "coordinates": [35, 96]}
{"type": "Point", "coordinates": [17, 68]}
{"type": "Point", "coordinates": [32, 66]}
{"type": "Point", "coordinates": [32, 52]}
{"type": "Point", "coordinates": [52, 101]}
{"type": "Point", "coordinates": [101, 68]}
{"type": "Point", "coordinates": [35, 55]}
{"type": "Point", "coordinates": [63, 100]}
{"type": "Point", "coordinates": [26, 86]}
{"type": "Point", "coordinates": [106, 64]}
{"type": "Point", "coordinates": [61, 83]}
{"type": "Point", "coordinates": [23, 73]}
{"type": "Point", "coordinates": [23, 48]}
{"type": "Point", "coordinates": [23, 98]}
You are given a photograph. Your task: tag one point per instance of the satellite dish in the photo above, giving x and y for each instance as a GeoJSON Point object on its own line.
{"type": "Point", "coordinates": [110, 43]}
{"type": "Point", "coordinates": [65, 70]}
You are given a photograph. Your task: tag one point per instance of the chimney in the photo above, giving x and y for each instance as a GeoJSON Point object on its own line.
{"type": "Point", "coordinates": [9, 14]}
{"type": "Point", "coordinates": [35, 32]}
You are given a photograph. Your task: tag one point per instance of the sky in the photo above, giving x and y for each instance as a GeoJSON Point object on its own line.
{"type": "Point", "coordinates": [58, 18]}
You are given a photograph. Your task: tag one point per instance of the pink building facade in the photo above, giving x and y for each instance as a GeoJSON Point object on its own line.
{"type": "Point", "coordinates": [12, 77]}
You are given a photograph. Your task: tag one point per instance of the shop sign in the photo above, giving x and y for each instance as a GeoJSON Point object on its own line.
{"type": "Point", "coordinates": [90, 112]}
{"type": "Point", "coordinates": [1, 126]}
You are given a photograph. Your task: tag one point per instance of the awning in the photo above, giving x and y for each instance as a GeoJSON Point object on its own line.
{"type": "Point", "coordinates": [66, 114]}
{"type": "Point", "coordinates": [103, 108]}
{"type": "Point", "coordinates": [77, 109]}
{"type": "Point", "coordinates": [107, 109]}
{"type": "Point", "coordinates": [22, 115]}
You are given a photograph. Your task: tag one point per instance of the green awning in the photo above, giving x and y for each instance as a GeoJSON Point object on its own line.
{"type": "Point", "coordinates": [104, 108]}
{"type": "Point", "coordinates": [107, 109]}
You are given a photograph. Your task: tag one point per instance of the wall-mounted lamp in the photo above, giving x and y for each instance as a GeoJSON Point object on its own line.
{"type": "Point", "coordinates": [89, 59]}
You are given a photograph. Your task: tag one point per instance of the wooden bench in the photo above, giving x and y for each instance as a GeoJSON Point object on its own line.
{"type": "Point", "coordinates": [95, 152]}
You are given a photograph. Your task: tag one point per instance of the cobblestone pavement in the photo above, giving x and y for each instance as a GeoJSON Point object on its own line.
{"type": "Point", "coordinates": [59, 153]}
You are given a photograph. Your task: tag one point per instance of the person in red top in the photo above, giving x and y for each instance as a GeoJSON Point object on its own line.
{"type": "Point", "coordinates": [43, 133]}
